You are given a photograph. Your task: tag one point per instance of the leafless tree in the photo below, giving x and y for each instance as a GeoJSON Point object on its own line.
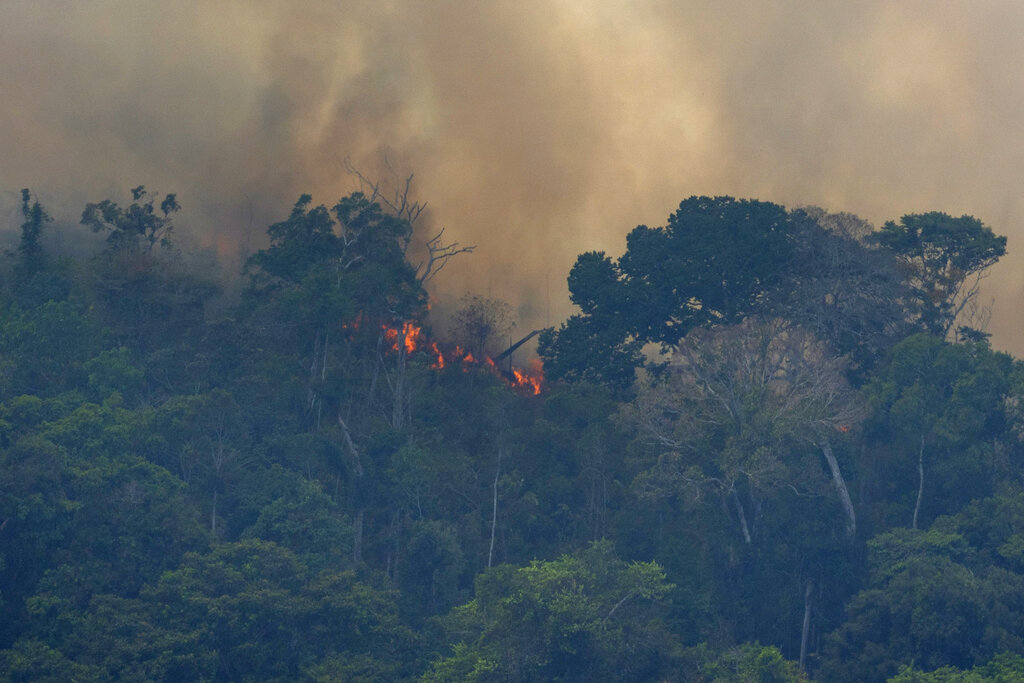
{"type": "Point", "coordinates": [395, 194]}
{"type": "Point", "coordinates": [481, 322]}
{"type": "Point", "coordinates": [732, 404]}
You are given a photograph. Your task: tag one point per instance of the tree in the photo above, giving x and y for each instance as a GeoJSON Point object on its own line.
{"type": "Point", "coordinates": [717, 261]}
{"type": "Point", "coordinates": [44, 348]}
{"type": "Point", "coordinates": [744, 663]}
{"type": "Point", "coordinates": [734, 415]}
{"type": "Point", "coordinates": [37, 278]}
{"type": "Point", "coordinates": [846, 289]}
{"type": "Point", "coordinates": [481, 322]}
{"type": "Point", "coordinates": [582, 350]}
{"type": "Point", "coordinates": [1004, 668]}
{"type": "Point", "coordinates": [938, 409]}
{"type": "Point", "coordinates": [146, 297]}
{"type": "Point", "coordinates": [588, 616]}
{"type": "Point", "coordinates": [950, 596]}
{"type": "Point", "coordinates": [743, 395]}
{"type": "Point", "coordinates": [944, 260]}
{"type": "Point", "coordinates": [134, 231]}
{"type": "Point", "coordinates": [31, 255]}
{"type": "Point", "coordinates": [202, 436]}
{"type": "Point", "coordinates": [341, 278]}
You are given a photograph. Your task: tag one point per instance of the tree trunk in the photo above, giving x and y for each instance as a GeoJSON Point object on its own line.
{"type": "Point", "coordinates": [357, 470]}
{"type": "Point", "coordinates": [494, 511]}
{"type": "Point", "coordinates": [742, 516]}
{"type": "Point", "coordinates": [844, 494]}
{"type": "Point", "coordinates": [920, 481]}
{"type": "Point", "coordinates": [398, 386]}
{"type": "Point", "coordinates": [357, 536]}
{"type": "Point", "coordinates": [805, 633]}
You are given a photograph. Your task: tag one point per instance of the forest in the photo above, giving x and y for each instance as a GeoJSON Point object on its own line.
{"type": "Point", "coordinates": [772, 444]}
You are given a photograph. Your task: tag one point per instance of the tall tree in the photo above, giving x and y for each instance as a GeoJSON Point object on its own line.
{"type": "Point", "coordinates": [717, 261]}
{"type": "Point", "coordinates": [137, 229]}
{"type": "Point", "coordinates": [37, 279]}
{"type": "Point", "coordinates": [944, 260]}
{"type": "Point", "coordinates": [147, 299]}
{"type": "Point", "coordinates": [937, 424]}
{"type": "Point", "coordinates": [31, 255]}
{"type": "Point", "coordinates": [742, 395]}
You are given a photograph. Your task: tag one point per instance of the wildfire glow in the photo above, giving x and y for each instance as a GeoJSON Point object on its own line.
{"type": "Point", "coordinates": [410, 337]}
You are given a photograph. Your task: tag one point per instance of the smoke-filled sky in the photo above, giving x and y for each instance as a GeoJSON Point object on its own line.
{"type": "Point", "coordinates": [536, 129]}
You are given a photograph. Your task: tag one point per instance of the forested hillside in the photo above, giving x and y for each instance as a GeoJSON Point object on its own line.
{"type": "Point", "coordinates": [773, 445]}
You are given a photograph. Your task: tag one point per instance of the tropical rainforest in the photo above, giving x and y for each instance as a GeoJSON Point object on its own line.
{"type": "Point", "coordinates": [771, 445]}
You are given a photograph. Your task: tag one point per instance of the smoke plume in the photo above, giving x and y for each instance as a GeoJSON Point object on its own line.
{"type": "Point", "coordinates": [536, 130]}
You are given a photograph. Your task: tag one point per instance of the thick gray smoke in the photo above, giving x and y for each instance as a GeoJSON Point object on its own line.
{"type": "Point", "coordinates": [536, 129]}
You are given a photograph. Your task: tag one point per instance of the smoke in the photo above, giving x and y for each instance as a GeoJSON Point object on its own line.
{"type": "Point", "coordinates": [536, 130]}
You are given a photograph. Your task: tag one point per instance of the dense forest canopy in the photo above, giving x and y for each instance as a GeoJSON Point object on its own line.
{"type": "Point", "coordinates": [772, 445]}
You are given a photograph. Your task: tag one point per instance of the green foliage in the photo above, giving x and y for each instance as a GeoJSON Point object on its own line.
{"type": "Point", "coordinates": [746, 663]}
{"type": "Point", "coordinates": [582, 350]}
{"type": "Point", "coordinates": [945, 405]}
{"type": "Point", "coordinates": [136, 229]}
{"type": "Point", "coordinates": [1004, 668]}
{"type": "Point", "coordinates": [34, 660]}
{"type": "Point", "coordinates": [943, 258]}
{"type": "Point", "coordinates": [945, 597]}
{"type": "Point", "coordinates": [717, 261]}
{"type": "Point", "coordinates": [37, 279]}
{"type": "Point", "coordinates": [265, 617]}
{"type": "Point", "coordinates": [581, 617]}
{"type": "Point", "coordinates": [114, 371]}
{"type": "Point", "coordinates": [290, 492]}
{"type": "Point", "coordinates": [307, 522]}
{"type": "Point", "coordinates": [42, 349]}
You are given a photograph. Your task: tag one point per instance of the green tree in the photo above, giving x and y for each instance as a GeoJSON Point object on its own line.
{"type": "Point", "coordinates": [265, 617]}
{"type": "Point", "coordinates": [582, 617]}
{"type": "Point", "coordinates": [937, 423]}
{"type": "Point", "coordinates": [37, 279]}
{"type": "Point", "coordinates": [746, 663]}
{"type": "Point", "coordinates": [146, 297]}
{"type": "Point", "coordinates": [43, 349]}
{"type": "Point", "coordinates": [717, 261]}
{"type": "Point", "coordinates": [950, 596]}
{"type": "Point", "coordinates": [944, 259]}
{"type": "Point", "coordinates": [137, 229]}
{"type": "Point", "coordinates": [1004, 668]}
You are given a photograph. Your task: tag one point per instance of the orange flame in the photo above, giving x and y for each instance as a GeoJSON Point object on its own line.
{"type": "Point", "coordinates": [411, 337]}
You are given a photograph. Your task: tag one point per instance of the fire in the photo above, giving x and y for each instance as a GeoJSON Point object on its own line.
{"type": "Point", "coordinates": [411, 337]}
{"type": "Point", "coordinates": [524, 380]}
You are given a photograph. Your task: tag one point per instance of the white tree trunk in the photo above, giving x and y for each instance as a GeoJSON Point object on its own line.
{"type": "Point", "coordinates": [357, 469]}
{"type": "Point", "coordinates": [742, 516]}
{"type": "Point", "coordinates": [494, 511]}
{"type": "Point", "coordinates": [844, 493]}
{"type": "Point", "coordinates": [920, 481]}
{"type": "Point", "coordinates": [806, 632]}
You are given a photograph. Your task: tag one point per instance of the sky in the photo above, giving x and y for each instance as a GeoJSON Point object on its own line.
{"type": "Point", "coordinates": [535, 129]}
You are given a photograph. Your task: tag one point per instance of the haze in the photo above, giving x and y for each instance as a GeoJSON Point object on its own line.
{"type": "Point", "coordinates": [536, 130]}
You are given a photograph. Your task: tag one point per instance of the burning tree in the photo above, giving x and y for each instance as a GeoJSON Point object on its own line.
{"type": "Point", "coordinates": [481, 322]}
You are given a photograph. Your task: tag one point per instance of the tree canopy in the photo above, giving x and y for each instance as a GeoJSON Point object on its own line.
{"type": "Point", "coordinates": [765, 448]}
